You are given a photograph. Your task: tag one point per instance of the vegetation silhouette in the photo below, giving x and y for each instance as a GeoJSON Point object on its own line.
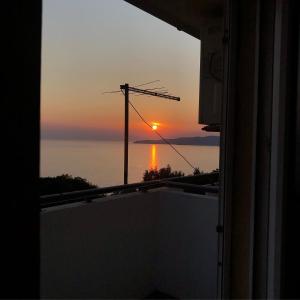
{"type": "Point", "coordinates": [67, 183]}
{"type": "Point", "coordinates": [62, 184]}
{"type": "Point", "coordinates": [154, 174]}
{"type": "Point", "coordinates": [198, 177]}
{"type": "Point", "coordinates": [197, 172]}
{"type": "Point", "coordinates": [166, 172]}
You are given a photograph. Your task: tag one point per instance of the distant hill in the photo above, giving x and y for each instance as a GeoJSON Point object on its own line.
{"type": "Point", "coordinates": [196, 140]}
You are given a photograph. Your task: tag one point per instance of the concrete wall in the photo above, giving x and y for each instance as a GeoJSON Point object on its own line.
{"type": "Point", "coordinates": [187, 257]}
{"type": "Point", "coordinates": [130, 245]}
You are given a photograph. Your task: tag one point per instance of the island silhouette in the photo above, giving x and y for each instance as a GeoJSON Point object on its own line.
{"type": "Point", "coordinates": [210, 140]}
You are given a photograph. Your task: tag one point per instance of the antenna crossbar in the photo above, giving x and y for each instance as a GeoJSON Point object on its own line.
{"type": "Point", "coordinates": [151, 93]}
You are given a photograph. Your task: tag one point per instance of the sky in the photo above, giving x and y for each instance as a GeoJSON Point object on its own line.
{"type": "Point", "coordinates": [93, 46]}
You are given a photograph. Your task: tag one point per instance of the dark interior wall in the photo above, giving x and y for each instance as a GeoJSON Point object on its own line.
{"type": "Point", "coordinates": [20, 106]}
{"type": "Point", "coordinates": [240, 138]}
{"type": "Point", "coordinates": [263, 144]}
{"type": "Point", "coordinates": [252, 144]}
{"type": "Point", "coordinates": [291, 205]}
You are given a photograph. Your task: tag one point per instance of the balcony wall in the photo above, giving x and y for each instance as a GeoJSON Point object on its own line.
{"type": "Point", "coordinates": [128, 246]}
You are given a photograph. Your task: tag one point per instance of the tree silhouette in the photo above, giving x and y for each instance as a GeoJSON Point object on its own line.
{"type": "Point", "coordinates": [197, 172]}
{"type": "Point", "coordinates": [154, 174]}
{"type": "Point", "coordinates": [62, 184]}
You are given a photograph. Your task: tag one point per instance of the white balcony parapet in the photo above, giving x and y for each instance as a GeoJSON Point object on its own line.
{"type": "Point", "coordinates": [129, 245]}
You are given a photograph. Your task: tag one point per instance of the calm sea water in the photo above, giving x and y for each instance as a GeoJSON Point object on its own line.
{"type": "Point", "coordinates": [101, 162]}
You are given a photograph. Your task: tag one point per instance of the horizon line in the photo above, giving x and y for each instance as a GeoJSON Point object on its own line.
{"type": "Point", "coordinates": [117, 139]}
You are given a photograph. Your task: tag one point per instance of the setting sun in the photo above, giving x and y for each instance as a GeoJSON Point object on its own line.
{"type": "Point", "coordinates": [155, 126]}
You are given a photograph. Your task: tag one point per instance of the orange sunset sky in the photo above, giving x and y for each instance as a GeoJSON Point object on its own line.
{"type": "Point", "coordinates": [92, 46]}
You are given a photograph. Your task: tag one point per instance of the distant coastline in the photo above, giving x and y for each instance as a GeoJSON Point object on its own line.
{"type": "Point", "coordinates": [195, 140]}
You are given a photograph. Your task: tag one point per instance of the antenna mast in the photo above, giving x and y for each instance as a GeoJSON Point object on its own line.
{"type": "Point", "coordinates": [125, 88]}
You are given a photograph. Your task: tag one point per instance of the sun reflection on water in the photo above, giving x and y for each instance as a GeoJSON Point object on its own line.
{"type": "Point", "coordinates": [153, 161]}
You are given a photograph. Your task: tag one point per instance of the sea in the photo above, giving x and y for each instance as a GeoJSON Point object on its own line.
{"type": "Point", "coordinates": [101, 162]}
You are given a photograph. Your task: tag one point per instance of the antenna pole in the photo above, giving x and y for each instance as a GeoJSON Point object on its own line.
{"type": "Point", "coordinates": [125, 87]}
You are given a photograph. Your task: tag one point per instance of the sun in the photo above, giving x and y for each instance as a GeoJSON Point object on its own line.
{"type": "Point", "coordinates": [154, 126]}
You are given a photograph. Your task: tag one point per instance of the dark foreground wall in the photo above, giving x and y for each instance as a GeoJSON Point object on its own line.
{"type": "Point", "coordinates": [20, 91]}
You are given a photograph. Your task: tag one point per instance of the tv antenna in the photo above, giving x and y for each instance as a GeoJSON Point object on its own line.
{"type": "Point", "coordinates": [125, 89]}
{"type": "Point", "coordinates": [159, 92]}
